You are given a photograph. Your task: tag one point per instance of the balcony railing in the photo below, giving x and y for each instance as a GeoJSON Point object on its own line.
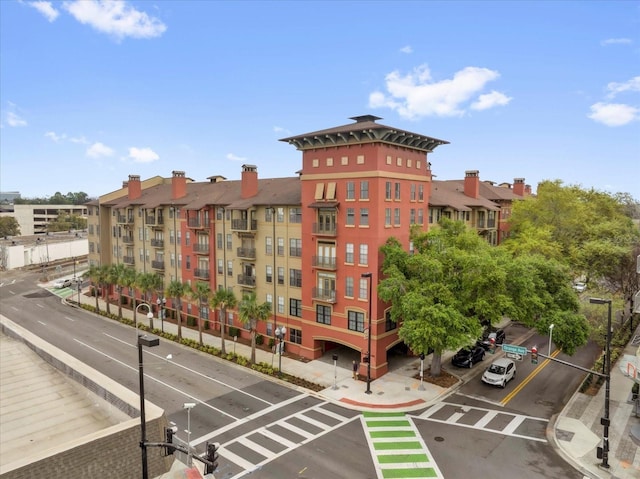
{"type": "Point", "coordinates": [246, 253]}
{"type": "Point", "coordinates": [321, 294]}
{"type": "Point", "coordinates": [128, 260]}
{"type": "Point", "coordinates": [202, 273]}
{"type": "Point", "coordinates": [202, 248]}
{"type": "Point", "coordinates": [324, 229]}
{"type": "Point", "coordinates": [127, 240]}
{"type": "Point", "coordinates": [246, 280]}
{"type": "Point", "coordinates": [325, 262]}
{"type": "Point", "coordinates": [156, 264]}
{"type": "Point", "coordinates": [194, 223]}
{"type": "Point", "coordinates": [244, 225]}
{"type": "Point", "coordinates": [150, 220]}
{"type": "Point", "coordinates": [157, 243]}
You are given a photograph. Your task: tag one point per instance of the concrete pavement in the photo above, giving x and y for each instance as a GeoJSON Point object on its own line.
{"type": "Point", "coordinates": [575, 433]}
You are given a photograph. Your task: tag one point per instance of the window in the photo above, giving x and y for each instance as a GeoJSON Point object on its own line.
{"type": "Point", "coordinates": [349, 253]}
{"type": "Point", "coordinates": [364, 254]}
{"type": "Point", "coordinates": [280, 275]}
{"type": "Point", "coordinates": [355, 321]}
{"type": "Point", "coordinates": [420, 216]}
{"type": "Point", "coordinates": [280, 246]}
{"type": "Point", "coordinates": [351, 216]}
{"type": "Point", "coordinates": [389, 324]}
{"type": "Point", "coordinates": [397, 191]}
{"type": "Point", "coordinates": [280, 215]}
{"type": "Point", "coordinates": [295, 336]}
{"type": "Point", "coordinates": [268, 215]}
{"type": "Point", "coordinates": [295, 307]}
{"type": "Point", "coordinates": [141, 254]}
{"type": "Point", "coordinates": [387, 191]}
{"type": "Point", "coordinates": [269, 299]}
{"type": "Point", "coordinates": [219, 240]}
{"type": "Point", "coordinates": [269, 273]}
{"type": "Point", "coordinates": [269, 245]}
{"type": "Point", "coordinates": [295, 247]}
{"type": "Point", "coordinates": [351, 190]}
{"type": "Point", "coordinates": [188, 262]}
{"type": "Point", "coordinates": [172, 237]}
{"type": "Point", "coordinates": [348, 286]}
{"type": "Point", "coordinates": [220, 266]}
{"type": "Point", "coordinates": [396, 216]}
{"type": "Point", "coordinates": [187, 238]}
{"type": "Point", "coordinates": [364, 190]}
{"type": "Point", "coordinates": [413, 192]}
{"type": "Point", "coordinates": [281, 304]}
{"type": "Point", "coordinates": [295, 277]}
{"type": "Point", "coordinates": [295, 215]}
{"type": "Point", "coordinates": [387, 216]}
{"type": "Point", "coordinates": [229, 241]}
{"type": "Point", "coordinates": [172, 259]}
{"type": "Point", "coordinates": [229, 268]}
{"type": "Point", "coordinates": [219, 213]}
{"type": "Point", "coordinates": [420, 192]}
{"type": "Point", "coordinates": [204, 312]}
{"type": "Point", "coordinates": [412, 216]}
{"type": "Point", "coordinates": [179, 237]}
{"type": "Point", "coordinates": [323, 314]}
{"type": "Point", "coordinates": [364, 216]}
{"type": "Point", "coordinates": [363, 288]}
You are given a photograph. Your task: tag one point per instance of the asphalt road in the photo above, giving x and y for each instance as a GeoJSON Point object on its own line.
{"type": "Point", "coordinates": [269, 430]}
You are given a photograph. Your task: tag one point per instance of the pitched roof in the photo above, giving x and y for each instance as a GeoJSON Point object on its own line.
{"type": "Point", "coordinates": [450, 193]}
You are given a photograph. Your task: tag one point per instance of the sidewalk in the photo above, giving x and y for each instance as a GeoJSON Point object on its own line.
{"type": "Point", "coordinates": [575, 433]}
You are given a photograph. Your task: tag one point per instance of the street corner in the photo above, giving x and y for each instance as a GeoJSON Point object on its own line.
{"type": "Point", "coordinates": [574, 437]}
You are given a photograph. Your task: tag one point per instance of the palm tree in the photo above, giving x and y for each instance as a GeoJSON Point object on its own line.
{"type": "Point", "coordinates": [201, 292]}
{"type": "Point", "coordinates": [94, 274]}
{"type": "Point", "coordinates": [148, 283]}
{"type": "Point", "coordinates": [105, 283]}
{"type": "Point", "coordinates": [223, 299]}
{"type": "Point", "coordinates": [114, 276]}
{"type": "Point", "coordinates": [128, 280]}
{"type": "Point", "coordinates": [176, 291]}
{"type": "Point", "coordinates": [251, 312]}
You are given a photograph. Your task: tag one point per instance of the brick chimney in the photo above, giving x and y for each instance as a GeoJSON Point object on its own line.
{"type": "Point", "coordinates": [518, 186]}
{"type": "Point", "coordinates": [249, 181]}
{"type": "Point", "coordinates": [135, 187]}
{"type": "Point", "coordinates": [472, 183]}
{"type": "Point", "coordinates": [178, 185]}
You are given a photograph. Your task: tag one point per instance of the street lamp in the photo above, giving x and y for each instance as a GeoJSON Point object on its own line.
{"type": "Point", "coordinates": [144, 340]}
{"type": "Point", "coordinates": [421, 387]}
{"type": "Point", "coordinates": [189, 406]}
{"type": "Point", "coordinates": [605, 420]}
{"type": "Point", "coordinates": [368, 391]}
{"type": "Point", "coordinates": [161, 303]}
{"type": "Point", "coordinates": [335, 372]}
{"type": "Point", "coordinates": [280, 332]}
{"type": "Point", "coordinates": [149, 315]}
{"type": "Point", "coordinates": [550, 336]}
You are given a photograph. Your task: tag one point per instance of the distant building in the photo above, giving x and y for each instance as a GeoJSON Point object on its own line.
{"type": "Point", "coordinates": [9, 196]}
{"type": "Point", "coordinates": [33, 219]}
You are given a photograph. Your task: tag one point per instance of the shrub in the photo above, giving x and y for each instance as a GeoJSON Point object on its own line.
{"type": "Point", "coordinates": [233, 331]}
{"type": "Point", "coordinates": [259, 339]}
{"type": "Point", "coordinates": [191, 321]}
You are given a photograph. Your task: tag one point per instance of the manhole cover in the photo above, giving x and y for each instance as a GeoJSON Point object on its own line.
{"type": "Point", "coordinates": [438, 439]}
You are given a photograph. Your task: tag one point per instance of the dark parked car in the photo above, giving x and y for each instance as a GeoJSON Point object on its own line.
{"type": "Point", "coordinates": [468, 356]}
{"type": "Point", "coordinates": [497, 334]}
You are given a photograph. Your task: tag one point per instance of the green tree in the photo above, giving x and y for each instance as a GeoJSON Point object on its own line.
{"type": "Point", "coordinates": [176, 290]}
{"type": "Point", "coordinates": [202, 293]}
{"type": "Point", "coordinates": [148, 283]}
{"type": "Point", "coordinates": [129, 280]}
{"type": "Point", "coordinates": [97, 275]}
{"type": "Point", "coordinates": [223, 299]}
{"type": "Point", "coordinates": [9, 226]}
{"type": "Point", "coordinates": [67, 222]}
{"type": "Point", "coordinates": [115, 275]}
{"type": "Point", "coordinates": [250, 312]}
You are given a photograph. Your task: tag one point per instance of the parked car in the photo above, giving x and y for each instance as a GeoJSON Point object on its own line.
{"type": "Point", "coordinates": [500, 372]}
{"type": "Point", "coordinates": [62, 283]}
{"type": "Point", "coordinates": [468, 356]}
{"type": "Point", "coordinates": [580, 287]}
{"type": "Point", "coordinates": [498, 335]}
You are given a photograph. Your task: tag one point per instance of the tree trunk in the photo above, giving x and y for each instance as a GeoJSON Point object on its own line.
{"type": "Point", "coordinates": [223, 315]}
{"type": "Point", "coordinates": [436, 364]}
{"type": "Point", "coordinates": [95, 294]}
{"type": "Point", "coordinates": [200, 323]}
{"type": "Point", "coordinates": [133, 304]}
{"type": "Point", "coordinates": [120, 302]}
{"type": "Point", "coordinates": [253, 343]}
{"type": "Point", "coordinates": [107, 299]}
{"type": "Point", "coordinates": [179, 321]}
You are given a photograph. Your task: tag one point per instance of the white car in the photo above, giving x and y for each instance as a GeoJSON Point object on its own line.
{"type": "Point", "coordinates": [500, 372]}
{"type": "Point", "coordinates": [62, 283]}
{"type": "Point", "coordinates": [580, 287]}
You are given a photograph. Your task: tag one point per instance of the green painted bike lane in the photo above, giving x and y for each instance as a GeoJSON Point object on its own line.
{"type": "Point", "coordinates": [397, 448]}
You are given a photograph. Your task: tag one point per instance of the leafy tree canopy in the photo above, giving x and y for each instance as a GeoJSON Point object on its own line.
{"type": "Point", "coordinates": [66, 222]}
{"type": "Point", "coordinates": [58, 198]}
{"type": "Point", "coordinates": [9, 226]}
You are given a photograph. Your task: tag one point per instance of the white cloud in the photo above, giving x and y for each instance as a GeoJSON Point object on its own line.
{"type": "Point", "coordinates": [489, 100]}
{"type": "Point", "coordinates": [417, 95]}
{"type": "Point", "coordinates": [232, 157]}
{"type": "Point", "coordinates": [631, 85]}
{"type": "Point", "coordinates": [279, 129]}
{"type": "Point", "coordinates": [79, 139]}
{"type": "Point", "coordinates": [613, 114]}
{"type": "Point", "coordinates": [98, 150]}
{"type": "Point", "coordinates": [142, 155]}
{"type": "Point", "coordinates": [46, 9]}
{"type": "Point", "coordinates": [54, 136]}
{"type": "Point", "coordinates": [116, 18]}
{"type": "Point", "coordinates": [615, 41]}
{"type": "Point", "coordinates": [15, 120]}
{"type": "Point", "coordinates": [406, 49]}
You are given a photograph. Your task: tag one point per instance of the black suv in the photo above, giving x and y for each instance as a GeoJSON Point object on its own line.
{"type": "Point", "coordinates": [497, 334]}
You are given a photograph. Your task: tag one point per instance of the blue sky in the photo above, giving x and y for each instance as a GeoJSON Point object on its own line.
{"type": "Point", "coordinates": [93, 91]}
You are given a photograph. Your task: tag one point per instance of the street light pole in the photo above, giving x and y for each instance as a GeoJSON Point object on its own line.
{"type": "Point", "coordinates": [550, 336]}
{"type": "Point", "coordinates": [368, 391]}
{"type": "Point", "coordinates": [148, 342]}
{"type": "Point", "coordinates": [149, 316]}
{"type": "Point", "coordinates": [607, 391]}
{"type": "Point", "coordinates": [280, 333]}
{"type": "Point", "coordinates": [189, 406]}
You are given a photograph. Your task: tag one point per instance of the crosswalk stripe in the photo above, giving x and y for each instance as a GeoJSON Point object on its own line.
{"type": "Point", "coordinates": [244, 464]}
{"type": "Point", "coordinates": [277, 438]}
{"type": "Point", "coordinates": [432, 410]}
{"type": "Point", "coordinates": [263, 451]}
{"type": "Point", "coordinates": [513, 425]}
{"type": "Point", "coordinates": [486, 419]}
{"type": "Point", "coordinates": [296, 429]}
{"type": "Point", "coordinates": [313, 422]}
{"type": "Point", "coordinates": [332, 414]}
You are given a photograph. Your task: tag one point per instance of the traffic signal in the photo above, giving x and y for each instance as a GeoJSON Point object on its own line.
{"type": "Point", "coordinates": [212, 458]}
{"type": "Point", "coordinates": [421, 356]}
{"type": "Point", "coordinates": [492, 345]}
{"type": "Point", "coordinates": [169, 432]}
{"type": "Point", "coordinates": [534, 355]}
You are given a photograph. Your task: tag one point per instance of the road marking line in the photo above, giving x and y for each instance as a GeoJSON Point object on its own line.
{"type": "Point", "coordinates": [313, 422]}
{"type": "Point", "coordinates": [68, 318]}
{"type": "Point", "coordinates": [486, 419]}
{"type": "Point", "coordinates": [514, 424]}
{"type": "Point", "coordinates": [14, 308]}
{"type": "Point", "coordinates": [42, 322]}
{"type": "Point", "coordinates": [296, 429]}
{"type": "Point", "coordinates": [243, 463]}
{"type": "Point", "coordinates": [276, 438]}
{"type": "Point", "coordinates": [39, 305]}
{"type": "Point", "coordinates": [528, 379]}
{"type": "Point", "coordinates": [431, 411]}
{"type": "Point", "coordinates": [254, 446]}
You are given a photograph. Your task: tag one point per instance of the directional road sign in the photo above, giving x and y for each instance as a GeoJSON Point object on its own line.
{"type": "Point", "coordinates": [511, 348]}
{"type": "Point", "coordinates": [517, 357]}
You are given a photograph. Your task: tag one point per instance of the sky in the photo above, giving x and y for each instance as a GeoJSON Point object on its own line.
{"type": "Point", "coordinates": [93, 91]}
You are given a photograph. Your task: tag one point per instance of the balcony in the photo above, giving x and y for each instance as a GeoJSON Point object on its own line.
{"type": "Point", "coordinates": [322, 229]}
{"type": "Point", "coordinates": [128, 260]}
{"type": "Point", "coordinates": [202, 273]}
{"type": "Point", "coordinates": [127, 239]}
{"type": "Point", "coordinates": [157, 243]}
{"type": "Point", "coordinates": [246, 280]}
{"type": "Point", "coordinates": [326, 295]}
{"type": "Point", "coordinates": [249, 253]}
{"type": "Point", "coordinates": [195, 223]}
{"type": "Point", "coordinates": [244, 225]}
{"type": "Point", "coordinates": [201, 248]}
{"type": "Point", "coordinates": [157, 264]}
{"type": "Point", "coordinates": [324, 262]}
{"type": "Point", "coordinates": [150, 220]}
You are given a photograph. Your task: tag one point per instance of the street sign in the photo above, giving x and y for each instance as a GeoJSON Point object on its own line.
{"type": "Point", "coordinates": [517, 357]}
{"type": "Point", "coordinates": [510, 348]}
